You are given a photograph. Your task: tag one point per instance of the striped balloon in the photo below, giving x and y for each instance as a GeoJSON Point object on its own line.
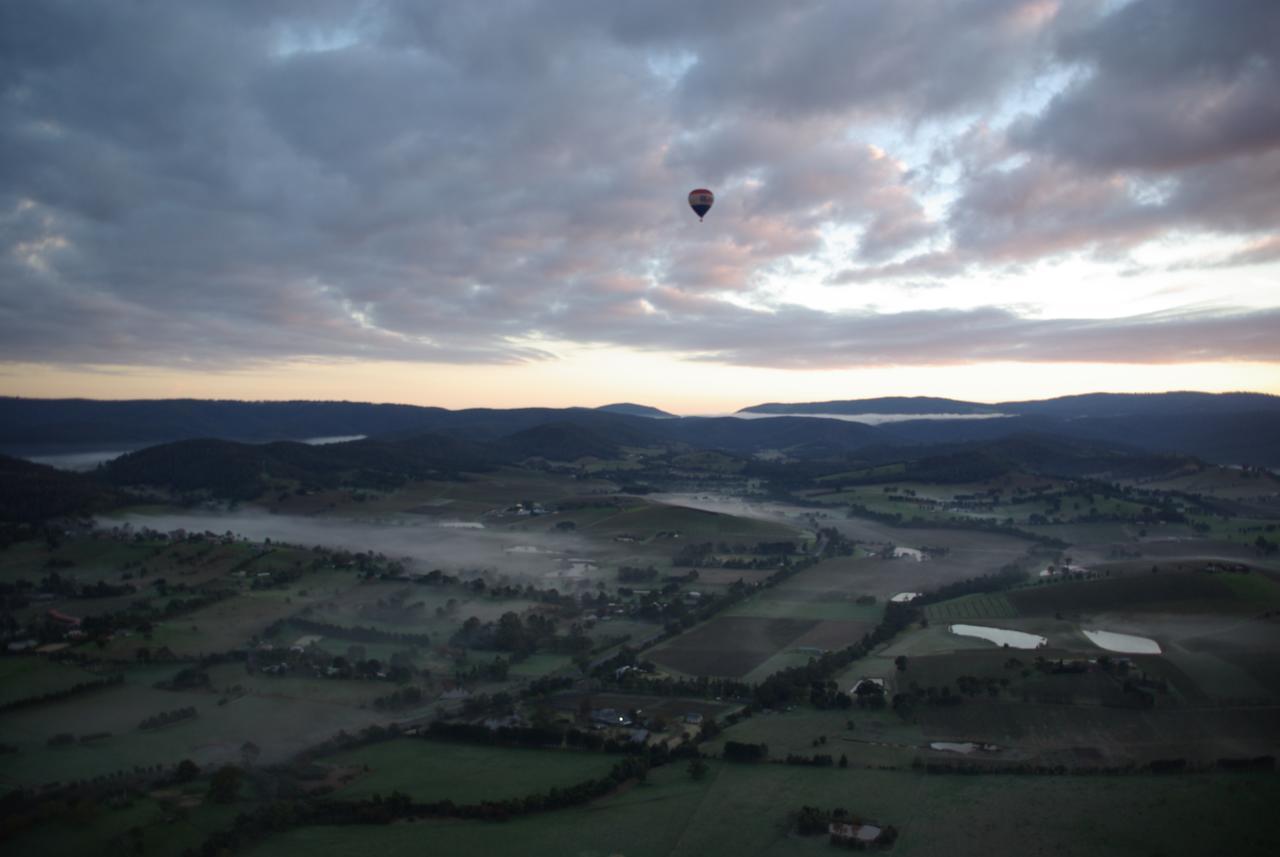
{"type": "Point", "coordinates": [700, 201]}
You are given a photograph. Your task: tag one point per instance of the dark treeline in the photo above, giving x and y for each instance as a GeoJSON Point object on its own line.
{"type": "Point", "coordinates": [65, 693]}
{"type": "Point", "coordinates": [164, 718]}
{"type": "Point", "coordinates": [741, 751]}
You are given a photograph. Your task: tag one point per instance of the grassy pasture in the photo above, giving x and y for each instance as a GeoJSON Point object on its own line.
{"type": "Point", "coordinates": [971, 607]}
{"type": "Point", "coordinates": [294, 688]}
{"type": "Point", "coordinates": [162, 831]}
{"type": "Point", "coordinates": [825, 635]}
{"type": "Point", "coordinates": [280, 725]}
{"type": "Point", "coordinates": [742, 809]}
{"type": "Point", "coordinates": [1116, 734]}
{"type": "Point", "coordinates": [776, 604]}
{"type": "Point", "coordinates": [463, 773]}
{"type": "Point", "coordinates": [795, 731]}
{"type": "Point", "coordinates": [1162, 592]}
{"type": "Point", "coordinates": [92, 559]}
{"type": "Point", "coordinates": [31, 675]}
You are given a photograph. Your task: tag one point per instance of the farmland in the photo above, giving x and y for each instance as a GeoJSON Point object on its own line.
{"type": "Point", "coordinates": [743, 810]}
{"type": "Point", "coordinates": [535, 600]}
{"type": "Point", "coordinates": [436, 770]}
{"type": "Point", "coordinates": [730, 646]}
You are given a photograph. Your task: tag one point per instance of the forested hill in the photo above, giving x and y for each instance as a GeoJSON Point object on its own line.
{"type": "Point", "coordinates": [1232, 428]}
{"type": "Point", "coordinates": [66, 422]}
{"type": "Point", "coordinates": [1089, 405]}
{"type": "Point", "coordinates": [32, 492]}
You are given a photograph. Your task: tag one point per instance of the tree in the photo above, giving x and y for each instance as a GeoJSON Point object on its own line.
{"type": "Point", "coordinates": [697, 768]}
{"type": "Point", "coordinates": [187, 771]}
{"type": "Point", "coordinates": [901, 663]}
{"type": "Point", "coordinates": [225, 784]}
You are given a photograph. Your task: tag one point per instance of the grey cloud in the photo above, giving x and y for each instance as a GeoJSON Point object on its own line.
{"type": "Point", "coordinates": [209, 184]}
{"type": "Point", "coordinates": [871, 57]}
{"type": "Point", "coordinates": [1171, 85]}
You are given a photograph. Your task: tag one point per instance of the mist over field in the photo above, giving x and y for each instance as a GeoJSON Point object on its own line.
{"type": "Point", "coordinates": [427, 544]}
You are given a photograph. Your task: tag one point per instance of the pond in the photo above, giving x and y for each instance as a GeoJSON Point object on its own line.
{"type": "Point", "coordinates": [1128, 644]}
{"type": "Point", "coordinates": [1000, 636]}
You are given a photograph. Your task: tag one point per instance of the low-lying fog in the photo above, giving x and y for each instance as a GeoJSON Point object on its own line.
{"type": "Point", "coordinates": [872, 419]}
{"type": "Point", "coordinates": [534, 556]}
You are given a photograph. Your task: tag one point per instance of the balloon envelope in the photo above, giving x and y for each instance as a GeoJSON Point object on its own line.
{"type": "Point", "coordinates": [700, 201]}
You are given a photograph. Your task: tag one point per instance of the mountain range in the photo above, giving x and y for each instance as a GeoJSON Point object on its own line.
{"type": "Point", "coordinates": [1228, 428]}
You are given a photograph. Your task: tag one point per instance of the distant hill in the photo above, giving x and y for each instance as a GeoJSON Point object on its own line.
{"type": "Point", "coordinates": [1232, 428]}
{"type": "Point", "coordinates": [1097, 405]}
{"type": "Point", "coordinates": [1086, 405]}
{"type": "Point", "coordinates": [1225, 428]}
{"type": "Point", "coordinates": [46, 422]}
{"type": "Point", "coordinates": [635, 410]}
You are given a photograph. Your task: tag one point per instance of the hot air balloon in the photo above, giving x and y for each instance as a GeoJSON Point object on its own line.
{"type": "Point", "coordinates": [700, 201]}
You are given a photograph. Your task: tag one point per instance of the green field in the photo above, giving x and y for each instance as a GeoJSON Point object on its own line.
{"type": "Point", "coordinates": [31, 676]}
{"type": "Point", "coordinates": [742, 809]}
{"type": "Point", "coordinates": [768, 606]}
{"type": "Point", "coordinates": [464, 773]}
{"type": "Point", "coordinates": [984, 606]}
{"type": "Point", "coordinates": [168, 825]}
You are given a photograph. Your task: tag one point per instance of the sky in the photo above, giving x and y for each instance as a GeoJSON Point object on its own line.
{"type": "Point", "coordinates": [484, 204]}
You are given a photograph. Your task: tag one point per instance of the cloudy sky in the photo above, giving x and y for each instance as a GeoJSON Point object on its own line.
{"type": "Point", "coordinates": [464, 203]}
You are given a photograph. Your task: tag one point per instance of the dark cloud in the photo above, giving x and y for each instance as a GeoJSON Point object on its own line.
{"type": "Point", "coordinates": [206, 184]}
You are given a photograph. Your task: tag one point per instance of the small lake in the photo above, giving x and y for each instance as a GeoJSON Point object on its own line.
{"type": "Point", "coordinates": [1128, 644]}
{"type": "Point", "coordinates": [1000, 636]}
